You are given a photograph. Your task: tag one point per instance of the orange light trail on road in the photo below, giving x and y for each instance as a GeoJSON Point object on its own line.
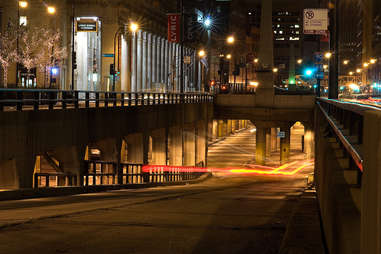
{"type": "Point", "coordinates": [270, 170]}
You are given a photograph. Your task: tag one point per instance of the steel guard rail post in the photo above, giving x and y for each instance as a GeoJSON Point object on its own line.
{"type": "Point", "coordinates": [48, 99]}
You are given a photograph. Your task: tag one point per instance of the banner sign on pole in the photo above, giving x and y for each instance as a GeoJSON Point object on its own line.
{"type": "Point", "coordinates": [174, 20]}
{"type": "Point", "coordinates": [315, 21]}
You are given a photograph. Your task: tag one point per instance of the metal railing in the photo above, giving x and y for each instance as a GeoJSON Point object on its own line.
{"type": "Point", "coordinates": [48, 99]}
{"type": "Point", "coordinates": [47, 180]}
{"type": "Point", "coordinates": [346, 121]}
{"type": "Point", "coordinates": [233, 89]}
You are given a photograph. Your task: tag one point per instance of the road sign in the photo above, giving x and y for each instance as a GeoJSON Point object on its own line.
{"type": "Point", "coordinates": [315, 21]}
{"type": "Point", "coordinates": [281, 134]}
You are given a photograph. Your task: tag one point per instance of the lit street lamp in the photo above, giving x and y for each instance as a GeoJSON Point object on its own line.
{"type": "Point", "coordinates": [230, 40]}
{"type": "Point", "coordinates": [228, 56]}
{"type": "Point", "coordinates": [51, 10]}
{"type": "Point", "coordinates": [328, 55]}
{"type": "Point", "coordinates": [201, 53]}
{"type": "Point", "coordinates": [300, 61]}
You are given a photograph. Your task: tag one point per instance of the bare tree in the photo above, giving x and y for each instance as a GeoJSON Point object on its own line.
{"type": "Point", "coordinates": [51, 52]}
{"type": "Point", "coordinates": [8, 49]}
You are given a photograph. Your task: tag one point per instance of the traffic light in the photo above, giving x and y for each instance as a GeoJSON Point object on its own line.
{"type": "Point", "coordinates": [112, 69]}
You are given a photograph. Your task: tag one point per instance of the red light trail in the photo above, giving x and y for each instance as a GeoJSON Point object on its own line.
{"type": "Point", "coordinates": [286, 169]}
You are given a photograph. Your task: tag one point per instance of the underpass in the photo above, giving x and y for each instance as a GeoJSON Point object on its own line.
{"type": "Point", "coordinates": [228, 213]}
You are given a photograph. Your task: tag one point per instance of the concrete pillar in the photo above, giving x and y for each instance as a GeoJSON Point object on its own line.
{"type": "Point", "coordinates": [158, 59]}
{"type": "Point", "coordinates": [215, 130]}
{"type": "Point", "coordinates": [274, 140]}
{"type": "Point", "coordinates": [17, 173]}
{"type": "Point", "coordinates": [125, 66]}
{"type": "Point", "coordinates": [139, 67]}
{"type": "Point", "coordinates": [199, 77]}
{"type": "Point", "coordinates": [134, 57]}
{"type": "Point", "coordinates": [285, 145]}
{"type": "Point", "coordinates": [144, 61]}
{"type": "Point", "coordinates": [162, 60]}
{"type": "Point", "coordinates": [176, 72]}
{"type": "Point", "coordinates": [260, 147]}
{"type": "Point", "coordinates": [149, 61]}
{"type": "Point", "coordinates": [175, 146]}
{"type": "Point", "coordinates": [201, 143]}
{"type": "Point", "coordinates": [268, 142]}
{"type": "Point", "coordinates": [110, 149]}
{"type": "Point", "coordinates": [137, 144]}
{"type": "Point", "coordinates": [154, 57]}
{"type": "Point", "coordinates": [189, 147]}
{"type": "Point", "coordinates": [309, 141]}
{"type": "Point", "coordinates": [170, 68]}
{"type": "Point", "coordinates": [229, 127]}
{"type": "Point", "coordinates": [166, 62]}
{"type": "Point", "coordinates": [159, 150]}
{"type": "Point", "coordinates": [72, 161]}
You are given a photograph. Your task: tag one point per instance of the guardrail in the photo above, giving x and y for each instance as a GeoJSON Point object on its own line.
{"type": "Point", "coordinates": [48, 99]}
{"type": "Point", "coordinates": [346, 121]}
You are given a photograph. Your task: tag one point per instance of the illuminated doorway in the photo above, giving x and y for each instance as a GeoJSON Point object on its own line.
{"type": "Point", "coordinates": [87, 43]}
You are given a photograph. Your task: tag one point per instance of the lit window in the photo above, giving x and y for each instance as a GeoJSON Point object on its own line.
{"type": "Point", "coordinates": [297, 32]}
{"type": "Point", "coordinates": [274, 32]}
{"type": "Point", "coordinates": [23, 21]}
{"type": "Point", "coordinates": [280, 32]}
{"type": "Point", "coordinates": [294, 38]}
{"type": "Point", "coordinates": [297, 26]}
{"type": "Point", "coordinates": [280, 39]}
{"type": "Point", "coordinates": [278, 25]}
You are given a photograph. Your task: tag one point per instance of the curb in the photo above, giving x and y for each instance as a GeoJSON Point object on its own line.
{"type": "Point", "coordinates": [66, 191]}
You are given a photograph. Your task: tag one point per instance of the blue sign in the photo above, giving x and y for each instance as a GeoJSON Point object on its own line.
{"type": "Point", "coordinates": [281, 134]}
{"type": "Point", "coordinates": [108, 55]}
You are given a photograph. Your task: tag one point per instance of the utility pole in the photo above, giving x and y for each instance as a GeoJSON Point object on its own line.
{"type": "Point", "coordinates": [333, 91]}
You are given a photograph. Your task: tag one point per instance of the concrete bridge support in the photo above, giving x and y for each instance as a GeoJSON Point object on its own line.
{"type": "Point", "coordinates": [201, 143]}
{"type": "Point", "coordinates": [189, 146]}
{"type": "Point", "coordinates": [268, 142]}
{"type": "Point", "coordinates": [18, 172]}
{"type": "Point", "coordinates": [285, 144]}
{"type": "Point", "coordinates": [72, 161]}
{"type": "Point", "coordinates": [137, 148]}
{"type": "Point", "coordinates": [309, 141]}
{"type": "Point", "coordinates": [260, 150]}
{"type": "Point", "coordinates": [159, 147]}
{"type": "Point", "coordinates": [274, 140]}
{"type": "Point", "coordinates": [175, 144]}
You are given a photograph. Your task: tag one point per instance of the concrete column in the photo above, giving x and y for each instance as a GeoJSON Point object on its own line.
{"type": "Point", "coordinates": [134, 56]}
{"type": "Point", "coordinates": [125, 66]}
{"type": "Point", "coordinates": [154, 58]}
{"type": "Point", "coordinates": [260, 148]}
{"type": "Point", "coordinates": [309, 141]}
{"type": "Point", "coordinates": [166, 62]}
{"type": "Point", "coordinates": [229, 127]}
{"type": "Point", "coordinates": [137, 144]}
{"type": "Point", "coordinates": [177, 68]}
{"type": "Point", "coordinates": [17, 173]}
{"type": "Point", "coordinates": [215, 130]}
{"type": "Point", "coordinates": [72, 160]}
{"type": "Point", "coordinates": [144, 61]}
{"type": "Point", "coordinates": [199, 78]}
{"type": "Point", "coordinates": [158, 60]}
{"type": "Point", "coordinates": [149, 61]}
{"type": "Point", "coordinates": [170, 67]}
{"type": "Point", "coordinates": [268, 142]}
{"type": "Point", "coordinates": [162, 61]}
{"type": "Point", "coordinates": [201, 143]}
{"type": "Point", "coordinates": [220, 128]}
{"type": "Point", "coordinates": [285, 145]}
{"type": "Point", "coordinates": [175, 146]}
{"type": "Point", "coordinates": [159, 150]}
{"type": "Point", "coordinates": [189, 147]}
{"type": "Point", "coordinates": [274, 140]}
{"type": "Point", "coordinates": [140, 61]}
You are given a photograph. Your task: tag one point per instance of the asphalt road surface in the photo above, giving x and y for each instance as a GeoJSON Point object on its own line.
{"type": "Point", "coordinates": [229, 213]}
